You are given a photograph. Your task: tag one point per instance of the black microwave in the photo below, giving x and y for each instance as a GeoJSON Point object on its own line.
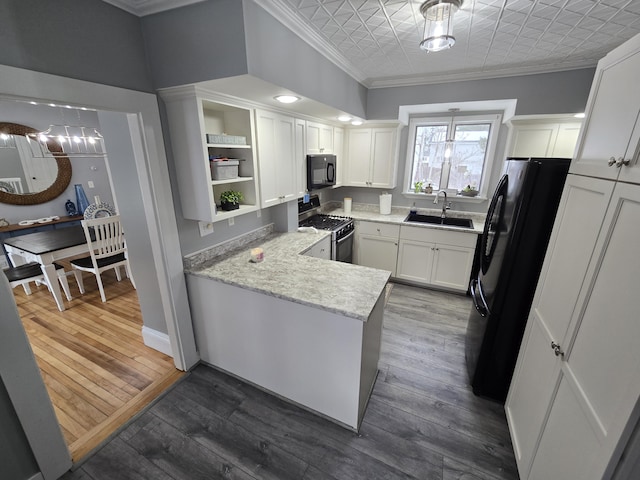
{"type": "Point", "coordinates": [321, 171]}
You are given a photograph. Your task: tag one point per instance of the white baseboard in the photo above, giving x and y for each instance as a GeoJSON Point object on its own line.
{"type": "Point", "coordinates": [37, 476]}
{"type": "Point", "coordinates": [157, 340]}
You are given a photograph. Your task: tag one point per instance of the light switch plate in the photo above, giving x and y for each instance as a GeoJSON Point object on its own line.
{"type": "Point", "coordinates": [206, 228]}
{"type": "Point", "coordinates": [90, 184]}
{"type": "Point", "coordinates": [231, 221]}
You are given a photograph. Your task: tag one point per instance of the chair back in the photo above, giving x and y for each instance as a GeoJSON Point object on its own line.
{"type": "Point", "coordinates": [104, 236]}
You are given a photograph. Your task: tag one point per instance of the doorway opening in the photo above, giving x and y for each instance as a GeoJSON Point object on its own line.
{"type": "Point", "coordinates": [92, 356]}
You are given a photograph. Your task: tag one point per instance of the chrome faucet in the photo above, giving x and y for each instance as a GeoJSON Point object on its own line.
{"type": "Point", "coordinates": [445, 205]}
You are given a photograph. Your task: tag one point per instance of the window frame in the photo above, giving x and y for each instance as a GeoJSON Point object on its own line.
{"type": "Point", "coordinates": [495, 121]}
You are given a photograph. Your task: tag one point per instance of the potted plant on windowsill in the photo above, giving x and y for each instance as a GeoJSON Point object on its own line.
{"type": "Point", "coordinates": [230, 200]}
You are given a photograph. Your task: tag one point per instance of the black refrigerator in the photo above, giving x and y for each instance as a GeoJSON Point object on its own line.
{"type": "Point", "coordinates": [508, 263]}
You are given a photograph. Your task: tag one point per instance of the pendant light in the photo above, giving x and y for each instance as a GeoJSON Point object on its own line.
{"type": "Point", "coordinates": [438, 24]}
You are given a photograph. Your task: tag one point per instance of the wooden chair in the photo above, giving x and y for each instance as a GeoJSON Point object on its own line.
{"type": "Point", "coordinates": [32, 272]}
{"type": "Point", "coordinates": [108, 250]}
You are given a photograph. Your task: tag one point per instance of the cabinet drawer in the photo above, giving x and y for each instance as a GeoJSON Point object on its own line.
{"type": "Point", "coordinates": [380, 229]}
{"type": "Point", "coordinates": [433, 235]}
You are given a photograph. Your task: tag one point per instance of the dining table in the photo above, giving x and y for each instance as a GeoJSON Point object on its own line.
{"type": "Point", "coordinates": [46, 248]}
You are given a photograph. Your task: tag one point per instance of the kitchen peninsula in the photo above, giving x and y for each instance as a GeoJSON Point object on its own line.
{"type": "Point", "coordinates": [304, 328]}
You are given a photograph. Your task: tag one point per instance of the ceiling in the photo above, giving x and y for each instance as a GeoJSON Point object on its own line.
{"type": "Point", "coordinates": [376, 41]}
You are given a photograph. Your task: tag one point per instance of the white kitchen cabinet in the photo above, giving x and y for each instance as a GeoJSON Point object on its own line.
{"type": "Point", "coordinates": [544, 138]}
{"type": "Point", "coordinates": [579, 218]}
{"type": "Point", "coordinates": [338, 150]}
{"type": "Point", "coordinates": [322, 249]}
{"type": "Point", "coordinates": [192, 113]}
{"type": "Point", "coordinates": [300, 172]}
{"type": "Point", "coordinates": [319, 138]}
{"type": "Point", "coordinates": [371, 157]}
{"type": "Point", "coordinates": [433, 257]}
{"type": "Point", "coordinates": [376, 245]}
{"type": "Point", "coordinates": [279, 167]}
{"type": "Point", "coordinates": [589, 391]}
{"type": "Point", "coordinates": [574, 397]}
{"type": "Point", "coordinates": [608, 146]}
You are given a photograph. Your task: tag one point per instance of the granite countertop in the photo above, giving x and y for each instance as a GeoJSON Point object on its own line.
{"type": "Point", "coordinates": [341, 288]}
{"type": "Point", "coordinates": [371, 213]}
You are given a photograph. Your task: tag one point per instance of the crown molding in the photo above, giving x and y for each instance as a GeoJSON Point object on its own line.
{"type": "Point", "coordinates": [141, 8]}
{"type": "Point", "coordinates": [411, 81]}
{"type": "Point", "coordinates": [281, 12]}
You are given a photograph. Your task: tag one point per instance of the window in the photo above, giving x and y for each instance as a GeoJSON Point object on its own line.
{"type": "Point", "coordinates": [451, 152]}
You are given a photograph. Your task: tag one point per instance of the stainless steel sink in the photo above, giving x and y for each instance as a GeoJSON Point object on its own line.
{"type": "Point", "coordinates": [436, 220]}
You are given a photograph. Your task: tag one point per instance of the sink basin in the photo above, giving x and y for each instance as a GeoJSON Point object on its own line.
{"type": "Point", "coordinates": [435, 220]}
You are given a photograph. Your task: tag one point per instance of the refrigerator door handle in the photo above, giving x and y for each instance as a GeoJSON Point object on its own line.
{"type": "Point", "coordinates": [478, 299]}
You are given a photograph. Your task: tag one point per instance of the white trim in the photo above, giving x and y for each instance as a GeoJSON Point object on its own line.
{"type": "Point", "coordinates": [157, 340]}
{"type": "Point", "coordinates": [507, 106]}
{"type": "Point", "coordinates": [147, 7]}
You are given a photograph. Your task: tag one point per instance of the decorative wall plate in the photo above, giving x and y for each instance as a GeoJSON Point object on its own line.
{"type": "Point", "coordinates": [99, 210]}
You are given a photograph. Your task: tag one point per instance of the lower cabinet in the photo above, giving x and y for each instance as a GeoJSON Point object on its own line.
{"type": "Point", "coordinates": [576, 388]}
{"type": "Point", "coordinates": [435, 257]}
{"type": "Point", "coordinates": [377, 245]}
{"type": "Point", "coordinates": [322, 249]}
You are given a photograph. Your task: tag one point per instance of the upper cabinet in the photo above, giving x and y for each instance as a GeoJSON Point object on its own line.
{"type": "Point", "coordinates": [544, 138]}
{"type": "Point", "coordinates": [371, 157]}
{"type": "Point", "coordinates": [319, 138]}
{"type": "Point", "coordinates": [608, 143]}
{"type": "Point", "coordinates": [192, 115]}
{"type": "Point", "coordinates": [280, 164]}
{"type": "Point", "coordinates": [338, 150]}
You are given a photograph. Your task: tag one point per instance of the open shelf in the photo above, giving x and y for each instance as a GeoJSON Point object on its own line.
{"type": "Point", "coordinates": [232, 180]}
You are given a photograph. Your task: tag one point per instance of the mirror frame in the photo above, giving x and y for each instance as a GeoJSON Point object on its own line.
{"type": "Point", "coordinates": [59, 185]}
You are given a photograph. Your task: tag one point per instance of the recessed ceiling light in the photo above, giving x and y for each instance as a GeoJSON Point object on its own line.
{"type": "Point", "coordinates": [579, 115]}
{"type": "Point", "coordinates": [344, 118]}
{"type": "Point", "coordinates": [287, 98]}
{"type": "Point", "coordinates": [356, 122]}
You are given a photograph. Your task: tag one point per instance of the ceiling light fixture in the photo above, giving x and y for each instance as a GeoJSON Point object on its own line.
{"type": "Point", "coordinates": [438, 24]}
{"type": "Point", "coordinates": [70, 140]}
{"type": "Point", "coordinates": [344, 118]}
{"type": "Point", "coordinates": [356, 122]}
{"type": "Point", "coordinates": [287, 98]}
{"type": "Point", "coordinates": [579, 115]}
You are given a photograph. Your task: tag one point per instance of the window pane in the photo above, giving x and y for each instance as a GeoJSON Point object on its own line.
{"type": "Point", "coordinates": [428, 155]}
{"type": "Point", "coordinates": [469, 152]}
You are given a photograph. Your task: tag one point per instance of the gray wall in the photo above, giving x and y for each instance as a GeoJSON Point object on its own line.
{"type": "Point", "coordinates": [195, 43]}
{"type": "Point", "coordinates": [83, 169]}
{"type": "Point", "coordinates": [16, 459]}
{"type": "Point", "coordinates": [559, 92]}
{"type": "Point", "coordinates": [85, 39]}
{"type": "Point", "coordinates": [277, 55]}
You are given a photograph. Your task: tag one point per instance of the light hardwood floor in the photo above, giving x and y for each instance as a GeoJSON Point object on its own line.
{"type": "Point", "coordinates": [96, 368]}
{"type": "Point", "coordinates": [422, 421]}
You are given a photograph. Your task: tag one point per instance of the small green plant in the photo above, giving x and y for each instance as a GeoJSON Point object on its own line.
{"type": "Point", "coordinates": [417, 187]}
{"type": "Point", "coordinates": [230, 200]}
{"type": "Point", "coordinates": [231, 197]}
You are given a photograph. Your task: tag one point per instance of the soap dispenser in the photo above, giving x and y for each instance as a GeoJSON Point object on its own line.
{"type": "Point", "coordinates": [413, 210]}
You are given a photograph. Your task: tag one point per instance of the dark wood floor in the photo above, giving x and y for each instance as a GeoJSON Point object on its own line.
{"type": "Point", "coordinates": [422, 422]}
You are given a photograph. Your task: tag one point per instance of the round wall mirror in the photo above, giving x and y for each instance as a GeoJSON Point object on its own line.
{"type": "Point", "coordinates": [27, 177]}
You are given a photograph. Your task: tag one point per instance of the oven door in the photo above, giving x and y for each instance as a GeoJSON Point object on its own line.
{"type": "Point", "coordinates": [343, 251]}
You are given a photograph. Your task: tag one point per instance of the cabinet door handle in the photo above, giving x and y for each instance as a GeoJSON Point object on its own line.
{"type": "Point", "coordinates": [612, 161]}
{"type": "Point", "coordinates": [622, 162]}
{"type": "Point", "coordinates": [557, 350]}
